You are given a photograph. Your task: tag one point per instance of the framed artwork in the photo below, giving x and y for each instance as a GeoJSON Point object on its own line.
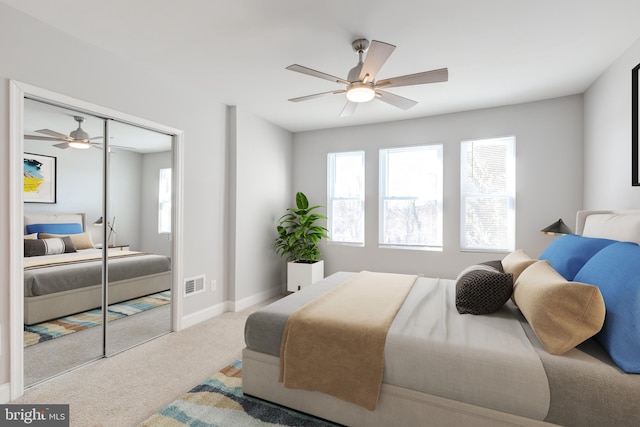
{"type": "Point", "coordinates": [39, 178]}
{"type": "Point", "coordinates": [635, 87]}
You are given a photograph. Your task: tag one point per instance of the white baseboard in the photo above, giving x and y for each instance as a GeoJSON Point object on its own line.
{"type": "Point", "coordinates": [5, 393]}
{"type": "Point", "coordinates": [234, 306]}
{"type": "Point", "coordinates": [202, 315]}
{"type": "Point", "coordinates": [254, 299]}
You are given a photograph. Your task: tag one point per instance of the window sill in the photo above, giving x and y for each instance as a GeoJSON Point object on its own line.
{"type": "Point", "coordinates": [413, 248]}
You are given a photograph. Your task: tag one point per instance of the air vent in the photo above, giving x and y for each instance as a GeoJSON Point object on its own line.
{"type": "Point", "coordinates": [194, 285]}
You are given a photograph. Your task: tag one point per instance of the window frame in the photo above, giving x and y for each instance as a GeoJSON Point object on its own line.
{"type": "Point", "coordinates": [382, 197]}
{"type": "Point", "coordinates": [331, 173]}
{"type": "Point", "coordinates": [509, 194]}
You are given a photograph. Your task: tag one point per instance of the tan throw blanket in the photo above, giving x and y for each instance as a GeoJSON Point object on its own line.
{"type": "Point", "coordinates": [335, 344]}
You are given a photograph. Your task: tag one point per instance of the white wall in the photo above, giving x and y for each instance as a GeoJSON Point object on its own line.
{"type": "Point", "coordinates": [38, 55]}
{"type": "Point", "coordinates": [548, 178]}
{"type": "Point", "coordinates": [607, 124]}
{"type": "Point", "coordinates": [125, 193]}
{"type": "Point", "coordinates": [261, 169]}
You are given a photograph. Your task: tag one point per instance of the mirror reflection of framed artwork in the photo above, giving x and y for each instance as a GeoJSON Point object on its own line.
{"type": "Point", "coordinates": [39, 178]}
{"type": "Point", "coordinates": [635, 87]}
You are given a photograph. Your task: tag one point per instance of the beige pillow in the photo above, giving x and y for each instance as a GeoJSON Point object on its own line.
{"type": "Point", "coordinates": [31, 236]}
{"type": "Point", "coordinates": [80, 240]}
{"type": "Point", "coordinates": [562, 314]}
{"type": "Point", "coordinates": [516, 262]}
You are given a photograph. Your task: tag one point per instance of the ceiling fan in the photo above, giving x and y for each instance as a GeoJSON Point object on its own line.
{"type": "Point", "coordinates": [360, 83]}
{"type": "Point", "coordinates": [78, 138]}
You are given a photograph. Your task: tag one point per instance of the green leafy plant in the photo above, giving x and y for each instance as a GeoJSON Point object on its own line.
{"type": "Point", "coordinates": [298, 234]}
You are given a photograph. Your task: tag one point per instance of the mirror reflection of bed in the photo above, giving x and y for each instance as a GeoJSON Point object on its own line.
{"type": "Point", "coordinates": [63, 291]}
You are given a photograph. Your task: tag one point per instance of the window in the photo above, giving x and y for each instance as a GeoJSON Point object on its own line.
{"type": "Point", "coordinates": [411, 196]}
{"type": "Point", "coordinates": [487, 190]}
{"type": "Point", "coordinates": [346, 197]}
{"type": "Point", "coordinates": [164, 201]}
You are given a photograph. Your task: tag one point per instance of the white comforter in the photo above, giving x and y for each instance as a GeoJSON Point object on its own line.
{"type": "Point", "coordinates": [484, 360]}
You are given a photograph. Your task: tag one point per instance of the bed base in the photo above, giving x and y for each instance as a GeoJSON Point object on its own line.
{"type": "Point", "coordinates": [46, 307]}
{"type": "Point", "coordinates": [397, 406]}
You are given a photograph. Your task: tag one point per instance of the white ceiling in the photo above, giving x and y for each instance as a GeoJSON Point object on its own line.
{"type": "Point", "coordinates": [498, 52]}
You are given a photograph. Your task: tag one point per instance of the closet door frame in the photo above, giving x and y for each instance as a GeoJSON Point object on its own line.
{"type": "Point", "coordinates": [17, 93]}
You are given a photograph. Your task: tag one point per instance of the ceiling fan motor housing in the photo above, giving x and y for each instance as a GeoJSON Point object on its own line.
{"type": "Point", "coordinates": [79, 133]}
{"type": "Point", "coordinates": [354, 73]}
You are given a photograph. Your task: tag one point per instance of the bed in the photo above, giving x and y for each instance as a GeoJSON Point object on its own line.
{"type": "Point", "coordinates": [564, 349]}
{"type": "Point", "coordinates": [63, 270]}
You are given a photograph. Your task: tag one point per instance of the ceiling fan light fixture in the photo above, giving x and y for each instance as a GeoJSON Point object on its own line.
{"type": "Point", "coordinates": [79, 134]}
{"type": "Point", "coordinates": [360, 92]}
{"type": "Point", "coordinates": [83, 145]}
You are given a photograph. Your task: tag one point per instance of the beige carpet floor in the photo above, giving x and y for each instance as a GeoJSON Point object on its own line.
{"type": "Point", "coordinates": [125, 389]}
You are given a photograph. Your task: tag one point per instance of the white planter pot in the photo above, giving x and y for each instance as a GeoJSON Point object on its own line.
{"type": "Point", "coordinates": [300, 274]}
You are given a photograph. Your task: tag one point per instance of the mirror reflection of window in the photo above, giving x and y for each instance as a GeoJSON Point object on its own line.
{"type": "Point", "coordinates": [164, 201]}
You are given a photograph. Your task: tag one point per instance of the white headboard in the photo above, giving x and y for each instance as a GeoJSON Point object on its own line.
{"type": "Point", "coordinates": [621, 225]}
{"type": "Point", "coordinates": [54, 218]}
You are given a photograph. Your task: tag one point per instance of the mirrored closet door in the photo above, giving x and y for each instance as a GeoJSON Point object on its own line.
{"type": "Point", "coordinates": [97, 203]}
{"type": "Point", "coordinates": [139, 235]}
{"type": "Point", "coordinates": [62, 197]}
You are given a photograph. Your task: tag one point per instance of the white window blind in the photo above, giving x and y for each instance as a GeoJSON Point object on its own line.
{"type": "Point", "coordinates": [346, 197]}
{"type": "Point", "coordinates": [487, 192]}
{"type": "Point", "coordinates": [164, 201]}
{"type": "Point", "coordinates": [411, 197]}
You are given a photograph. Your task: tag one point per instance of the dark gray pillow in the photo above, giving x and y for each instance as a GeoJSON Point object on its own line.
{"type": "Point", "coordinates": [497, 264]}
{"type": "Point", "coordinates": [482, 290]}
{"type": "Point", "coordinates": [39, 247]}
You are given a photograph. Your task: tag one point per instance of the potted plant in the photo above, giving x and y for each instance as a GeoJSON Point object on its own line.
{"type": "Point", "coordinates": [298, 240]}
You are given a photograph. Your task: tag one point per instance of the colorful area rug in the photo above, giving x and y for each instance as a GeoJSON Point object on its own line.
{"type": "Point", "coordinates": [46, 331]}
{"type": "Point", "coordinates": [219, 401]}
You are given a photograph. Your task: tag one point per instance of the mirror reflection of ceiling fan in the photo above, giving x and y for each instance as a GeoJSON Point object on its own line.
{"type": "Point", "coordinates": [78, 138]}
{"type": "Point", "coordinates": [361, 85]}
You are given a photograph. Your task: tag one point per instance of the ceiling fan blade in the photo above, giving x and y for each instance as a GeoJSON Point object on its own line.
{"type": "Point", "coordinates": [314, 73]}
{"type": "Point", "coordinates": [433, 76]}
{"type": "Point", "coordinates": [349, 109]}
{"type": "Point", "coordinates": [395, 100]}
{"type": "Point", "coordinates": [95, 137]}
{"type": "Point", "coordinates": [41, 138]}
{"type": "Point", "coordinates": [377, 55]}
{"type": "Point", "coordinates": [62, 146]}
{"type": "Point", "coordinates": [53, 133]}
{"type": "Point", "coordinates": [316, 95]}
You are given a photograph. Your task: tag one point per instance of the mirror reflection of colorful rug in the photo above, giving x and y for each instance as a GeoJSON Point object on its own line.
{"type": "Point", "coordinates": [51, 329]}
{"type": "Point", "coordinates": [219, 401]}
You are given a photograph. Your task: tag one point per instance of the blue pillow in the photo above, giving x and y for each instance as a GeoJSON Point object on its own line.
{"type": "Point", "coordinates": [61, 228]}
{"type": "Point", "coordinates": [616, 271]}
{"type": "Point", "coordinates": [567, 254]}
